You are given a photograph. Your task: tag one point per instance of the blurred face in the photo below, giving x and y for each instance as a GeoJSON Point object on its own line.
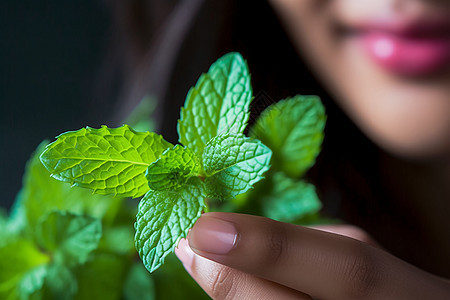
{"type": "Point", "coordinates": [387, 62]}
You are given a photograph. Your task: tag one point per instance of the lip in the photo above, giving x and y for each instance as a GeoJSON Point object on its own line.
{"type": "Point", "coordinates": [414, 48]}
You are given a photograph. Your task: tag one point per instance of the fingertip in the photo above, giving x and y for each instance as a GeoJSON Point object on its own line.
{"type": "Point", "coordinates": [212, 235]}
{"type": "Point", "coordinates": [185, 255]}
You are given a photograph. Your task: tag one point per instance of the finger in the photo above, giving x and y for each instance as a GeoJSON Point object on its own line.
{"type": "Point", "coordinates": [348, 230]}
{"type": "Point", "coordinates": [222, 282]}
{"type": "Point", "coordinates": [318, 263]}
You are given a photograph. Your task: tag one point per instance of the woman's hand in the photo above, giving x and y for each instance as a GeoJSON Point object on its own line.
{"type": "Point", "coordinates": [239, 256]}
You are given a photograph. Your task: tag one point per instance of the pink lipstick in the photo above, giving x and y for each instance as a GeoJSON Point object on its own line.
{"type": "Point", "coordinates": [414, 49]}
{"type": "Point", "coordinates": [408, 56]}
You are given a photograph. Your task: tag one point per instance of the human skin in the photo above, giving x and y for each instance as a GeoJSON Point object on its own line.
{"type": "Point", "coordinates": [235, 256]}
{"type": "Point", "coordinates": [403, 105]}
{"type": "Point", "coordinates": [406, 113]}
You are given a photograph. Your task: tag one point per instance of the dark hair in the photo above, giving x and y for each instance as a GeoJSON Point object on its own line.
{"type": "Point", "coordinates": [194, 33]}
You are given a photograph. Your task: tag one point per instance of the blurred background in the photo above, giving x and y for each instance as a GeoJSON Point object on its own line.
{"type": "Point", "coordinates": [51, 60]}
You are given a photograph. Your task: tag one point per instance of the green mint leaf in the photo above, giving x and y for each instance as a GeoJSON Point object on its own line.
{"type": "Point", "coordinates": [163, 218]}
{"type": "Point", "coordinates": [139, 284]}
{"type": "Point", "coordinates": [288, 200]}
{"type": "Point", "coordinates": [32, 283]}
{"type": "Point", "coordinates": [60, 283]}
{"type": "Point", "coordinates": [233, 163]}
{"type": "Point", "coordinates": [172, 170]}
{"type": "Point", "coordinates": [17, 259]}
{"type": "Point", "coordinates": [102, 277]}
{"type": "Point", "coordinates": [42, 194]}
{"type": "Point", "coordinates": [219, 103]}
{"type": "Point", "coordinates": [293, 129]}
{"type": "Point", "coordinates": [106, 160]}
{"type": "Point", "coordinates": [71, 238]}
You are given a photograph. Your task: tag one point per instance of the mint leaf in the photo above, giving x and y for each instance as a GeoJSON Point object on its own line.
{"type": "Point", "coordinates": [233, 163]}
{"type": "Point", "coordinates": [71, 238]}
{"type": "Point", "coordinates": [172, 170]}
{"type": "Point", "coordinates": [60, 283]}
{"type": "Point", "coordinates": [288, 200]}
{"type": "Point", "coordinates": [32, 282]}
{"type": "Point", "coordinates": [109, 161]}
{"type": "Point", "coordinates": [139, 284]}
{"type": "Point", "coordinates": [163, 218]}
{"type": "Point", "coordinates": [102, 277]}
{"type": "Point", "coordinates": [218, 103]}
{"type": "Point", "coordinates": [41, 194]}
{"type": "Point", "coordinates": [17, 259]}
{"type": "Point", "coordinates": [293, 129]}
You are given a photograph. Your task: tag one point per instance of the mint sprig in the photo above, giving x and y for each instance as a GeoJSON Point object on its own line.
{"type": "Point", "coordinates": [65, 242]}
{"type": "Point", "coordinates": [214, 164]}
{"type": "Point", "coordinates": [216, 161]}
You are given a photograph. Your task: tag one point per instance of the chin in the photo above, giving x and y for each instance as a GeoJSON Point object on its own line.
{"type": "Point", "coordinates": [407, 118]}
{"type": "Point", "coordinates": [424, 144]}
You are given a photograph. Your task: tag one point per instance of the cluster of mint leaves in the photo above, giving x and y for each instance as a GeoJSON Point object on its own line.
{"type": "Point", "coordinates": [293, 129]}
{"type": "Point", "coordinates": [214, 162]}
{"type": "Point", "coordinates": [67, 243]}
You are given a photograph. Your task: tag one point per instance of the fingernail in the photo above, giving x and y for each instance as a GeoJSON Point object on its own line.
{"type": "Point", "coordinates": [185, 254]}
{"type": "Point", "coordinates": [212, 235]}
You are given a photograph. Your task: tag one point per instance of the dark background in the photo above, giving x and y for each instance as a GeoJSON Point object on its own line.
{"type": "Point", "coordinates": [51, 56]}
